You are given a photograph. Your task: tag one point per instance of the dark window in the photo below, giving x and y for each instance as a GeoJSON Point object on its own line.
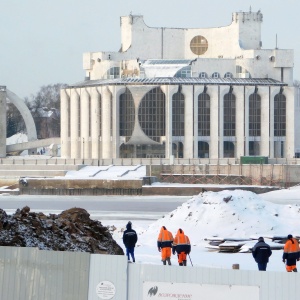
{"type": "Point", "coordinates": [152, 114]}
{"type": "Point", "coordinates": [178, 114]}
{"type": "Point", "coordinates": [127, 114]}
{"type": "Point", "coordinates": [229, 115]}
{"type": "Point", "coordinates": [203, 115]}
{"type": "Point", "coordinates": [254, 115]}
{"type": "Point", "coordinates": [279, 115]}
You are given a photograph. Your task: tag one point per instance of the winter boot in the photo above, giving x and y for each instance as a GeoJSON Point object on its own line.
{"type": "Point", "coordinates": [180, 264]}
{"type": "Point", "coordinates": [164, 262]}
{"type": "Point", "coordinates": [169, 261]}
{"type": "Point", "coordinates": [295, 270]}
{"type": "Point", "coordinates": [184, 262]}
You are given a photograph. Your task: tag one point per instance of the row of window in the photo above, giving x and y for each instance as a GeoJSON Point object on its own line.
{"type": "Point", "coordinates": [152, 115]}
{"type": "Point", "coordinates": [184, 72]}
{"type": "Point", "coordinates": [215, 75]}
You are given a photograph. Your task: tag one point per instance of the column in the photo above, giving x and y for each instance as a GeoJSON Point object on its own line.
{"type": "Point", "coordinates": [75, 124]}
{"type": "Point", "coordinates": [2, 122]}
{"type": "Point", "coordinates": [85, 123]}
{"type": "Point", "coordinates": [289, 150]}
{"type": "Point", "coordinates": [274, 91]}
{"type": "Point", "coordinates": [64, 125]}
{"type": "Point", "coordinates": [169, 91]}
{"type": "Point", "coordinates": [96, 122]}
{"type": "Point", "coordinates": [222, 91]}
{"type": "Point", "coordinates": [188, 151]}
{"type": "Point", "coordinates": [197, 90]}
{"type": "Point", "coordinates": [239, 121]}
{"type": "Point", "coordinates": [117, 91]}
{"type": "Point", "coordinates": [265, 133]}
{"type": "Point", "coordinates": [106, 123]}
{"type": "Point", "coordinates": [248, 91]}
{"type": "Point", "coordinates": [213, 92]}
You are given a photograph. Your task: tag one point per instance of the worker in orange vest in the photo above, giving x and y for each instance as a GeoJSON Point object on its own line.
{"type": "Point", "coordinates": [291, 253]}
{"type": "Point", "coordinates": [164, 244]}
{"type": "Point", "coordinates": [182, 246]}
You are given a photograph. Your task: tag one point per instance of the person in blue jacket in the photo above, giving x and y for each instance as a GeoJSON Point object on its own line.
{"type": "Point", "coordinates": [261, 253]}
{"type": "Point", "coordinates": [129, 239]}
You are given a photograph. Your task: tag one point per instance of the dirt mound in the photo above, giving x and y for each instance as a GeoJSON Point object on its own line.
{"type": "Point", "coordinates": [72, 230]}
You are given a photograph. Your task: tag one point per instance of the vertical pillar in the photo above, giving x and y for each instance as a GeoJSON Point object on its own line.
{"type": "Point", "coordinates": [95, 122]}
{"type": "Point", "coordinates": [223, 90]}
{"type": "Point", "coordinates": [106, 123]}
{"type": "Point", "coordinates": [169, 91]}
{"type": "Point", "coordinates": [274, 91]}
{"type": "Point", "coordinates": [197, 91]}
{"type": "Point", "coordinates": [116, 93]}
{"type": "Point", "coordinates": [239, 120]}
{"type": "Point", "coordinates": [2, 122]}
{"type": "Point", "coordinates": [289, 150]}
{"type": "Point", "coordinates": [213, 92]}
{"type": "Point", "coordinates": [115, 123]}
{"type": "Point", "coordinates": [248, 91]}
{"type": "Point", "coordinates": [187, 91]}
{"type": "Point", "coordinates": [75, 125]}
{"type": "Point", "coordinates": [265, 133]}
{"type": "Point", "coordinates": [64, 124]}
{"type": "Point", "coordinates": [85, 123]}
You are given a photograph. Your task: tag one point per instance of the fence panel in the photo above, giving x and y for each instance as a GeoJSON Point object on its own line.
{"type": "Point", "coordinates": [29, 273]}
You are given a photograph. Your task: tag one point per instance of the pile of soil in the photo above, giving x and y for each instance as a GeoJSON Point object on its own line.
{"type": "Point", "coordinates": [72, 230]}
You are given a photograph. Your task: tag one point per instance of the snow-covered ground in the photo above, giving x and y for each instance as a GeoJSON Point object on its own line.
{"type": "Point", "coordinates": [216, 215]}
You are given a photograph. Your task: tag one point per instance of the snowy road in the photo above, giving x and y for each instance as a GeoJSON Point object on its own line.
{"type": "Point", "coordinates": [100, 207]}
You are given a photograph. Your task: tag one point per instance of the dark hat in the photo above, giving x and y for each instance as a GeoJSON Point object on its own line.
{"type": "Point", "coordinates": [261, 239]}
{"type": "Point", "coordinates": [128, 226]}
{"type": "Point", "coordinates": [290, 236]}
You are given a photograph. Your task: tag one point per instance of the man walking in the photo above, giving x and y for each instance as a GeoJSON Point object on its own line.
{"type": "Point", "coordinates": [291, 254]}
{"type": "Point", "coordinates": [164, 245]}
{"type": "Point", "coordinates": [129, 239]}
{"type": "Point", "coordinates": [261, 253]}
{"type": "Point", "coordinates": [182, 246]}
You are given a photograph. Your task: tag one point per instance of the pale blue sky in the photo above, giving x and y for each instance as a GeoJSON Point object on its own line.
{"type": "Point", "coordinates": [42, 42]}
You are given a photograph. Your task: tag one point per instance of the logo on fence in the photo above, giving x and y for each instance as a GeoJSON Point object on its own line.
{"type": "Point", "coordinates": [153, 291]}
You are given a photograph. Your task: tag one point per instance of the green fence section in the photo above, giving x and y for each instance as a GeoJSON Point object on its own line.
{"type": "Point", "coordinates": [254, 160]}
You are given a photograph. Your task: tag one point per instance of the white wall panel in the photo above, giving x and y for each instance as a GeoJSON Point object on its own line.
{"type": "Point", "coordinates": [112, 268]}
{"type": "Point", "coordinates": [29, 273]}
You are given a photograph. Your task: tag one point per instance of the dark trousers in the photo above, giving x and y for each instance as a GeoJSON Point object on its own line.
{"type": "Point", "coordinates": [130, 252]}
{"type": "Point", "coordinates": [262, 266]}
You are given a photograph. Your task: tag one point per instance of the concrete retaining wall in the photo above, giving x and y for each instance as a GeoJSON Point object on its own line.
{"type": "Point", "coordinates": [49, 186]}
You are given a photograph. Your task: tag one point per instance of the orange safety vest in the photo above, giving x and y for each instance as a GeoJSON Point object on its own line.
{"type": "Point", "coordinates": [165, 238]}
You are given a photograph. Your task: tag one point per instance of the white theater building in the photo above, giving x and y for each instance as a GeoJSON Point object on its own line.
{"type": "Point", "coordinates": [201, 92]}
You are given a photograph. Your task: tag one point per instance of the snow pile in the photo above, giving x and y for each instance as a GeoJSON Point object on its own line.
{"type": "Point", "coordinates": [228, 214]}
{"type": "Point", "coordinates": [17, 139]}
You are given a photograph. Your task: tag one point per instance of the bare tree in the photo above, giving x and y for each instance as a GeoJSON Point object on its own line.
{"type": "Point", "coordinates": [14, 120]}
{"type": "Point", "coordinates": [45, 109]}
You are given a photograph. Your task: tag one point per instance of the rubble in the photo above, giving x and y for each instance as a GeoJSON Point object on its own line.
{"type": "Point", "coordinates": [72, 230]}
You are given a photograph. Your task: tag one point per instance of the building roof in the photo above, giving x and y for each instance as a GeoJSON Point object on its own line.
{"type": "Point", "coordinates": [177, 81]}
{"type": "Point", "coordinates": [167, 62]}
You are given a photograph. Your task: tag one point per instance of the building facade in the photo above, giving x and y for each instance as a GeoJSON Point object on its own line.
{"type": "Point", "coordinates": [207, 93]}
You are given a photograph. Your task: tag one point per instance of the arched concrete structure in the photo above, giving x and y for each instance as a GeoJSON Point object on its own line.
{"type": "Point", "coordinates": [24, 111]}
{"type": "Point", "coordinates": [26, 114]}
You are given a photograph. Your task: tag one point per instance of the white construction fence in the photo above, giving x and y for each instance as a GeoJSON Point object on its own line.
{"type": "Point", "coordinates": [31, 274]}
